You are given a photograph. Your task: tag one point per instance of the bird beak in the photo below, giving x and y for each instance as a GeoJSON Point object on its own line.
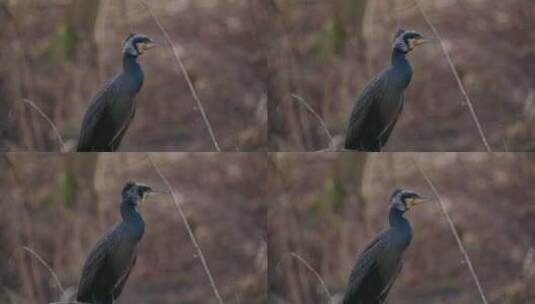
{"type": "Point", "coordinates": [153, 192]}
{"type": "Point", "coordinates": [421, 41]}
{"type": "Point", "coordinates": [416, 201]}
{"type": "Point", "coordinates": [149, 45]}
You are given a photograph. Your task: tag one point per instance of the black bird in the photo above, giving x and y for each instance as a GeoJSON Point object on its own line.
{"type": "Point", "coordinates": [380, 263]}
{"type": "Point", "coordinates": [377, 109]}
{"type": "Point", "coordinates": [110, 262]}
{"type": "Point", "coordinates": [111, 110]}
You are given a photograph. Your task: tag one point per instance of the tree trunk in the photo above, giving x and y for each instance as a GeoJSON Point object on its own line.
{"type": "Point", "coordinates": [82, 51]}
{"type": "Point", "coordinates": [81, 17]}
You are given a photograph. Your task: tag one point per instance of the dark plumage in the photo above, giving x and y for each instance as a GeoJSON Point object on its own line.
{"type": "Point", "coordinates": [109, 263]}
{"type": "Point", "coordinates": [379, 264]}
{"type": "Point", "coordinates": [113, 107]}
{"type": "Point", "coordinates": [377, 109]}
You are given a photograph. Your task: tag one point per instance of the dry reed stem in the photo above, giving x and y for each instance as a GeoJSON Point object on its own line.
{"type": "Point", "coordinates": [457, 77]}
{"type": "Point", "coordinates": [309, 108]}
{"type": "Point", "coordinates": [454, 232]}
{"type": "Point", "coordinates": [42, 261]}
{"type": "Point", "coordinates": [56, 132]}
{"type": "Point", "coordinates": [180, 209]}
{"type": "Point", "coordinates": [309, 267]}
{"type": "Point", "coordinates": [185, 74]}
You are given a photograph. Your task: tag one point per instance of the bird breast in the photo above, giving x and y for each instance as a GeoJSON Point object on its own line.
{"type": "Point", "coordinates": [124, 105]}
{"type": "Point", "coordinates": [123, 255]}
{"type": "Point", "coordinates": [396, 83]}
{"type": "Point", "coordinates": [391, 258]}
{"type": "Point", "coordinates": [122, 108]}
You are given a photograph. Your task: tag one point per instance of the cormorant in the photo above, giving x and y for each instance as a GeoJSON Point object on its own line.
{"type": "Point", "coordinates": [377, 109]}
{"type": "Point", "coordinates": [113, 107]}
{"type": "Point", "coordinates": [379, 264]}
{"type": "Point", "coordinates": [110, 262]}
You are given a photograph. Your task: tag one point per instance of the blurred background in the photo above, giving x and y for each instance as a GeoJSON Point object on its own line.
{"type": "Point", "coordinates": [58, 53]}
{"type": "Point", "coordinates": [326, 52]}
{"type": "Point", "coordinates": [60, 205]}
{"type": "Point", "coordinates": [327, 207]}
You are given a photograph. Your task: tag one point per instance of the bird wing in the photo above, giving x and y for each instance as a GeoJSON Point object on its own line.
{"type": "Point", "coordinates": [94, 263]}
{"type": "Point", "coordinates": [122, 281]}
{"type": "Point", "coordinates": [385, 134]}
{"type": "Point", "coordinates": [366, 263]}
{"type": "Point", "coordinates": [384, 293]}
{"type": "Point", "coordinates": [116, 140]}
{"type": "Point", "coordinates": [367, 98]}
{"type": "Point", "coordinates": [97, 110]}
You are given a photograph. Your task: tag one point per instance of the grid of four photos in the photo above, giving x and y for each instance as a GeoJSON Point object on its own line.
{"type": "Point", "coordinates": [267, 151]}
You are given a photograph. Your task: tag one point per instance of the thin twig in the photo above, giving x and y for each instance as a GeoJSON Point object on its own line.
{"type": "Point", "coordinates": [309, 108]}
{"type": "Point", "coordinates": [309, 267]}
{"type": "Point", "coordinates": [185, 73]}
{"type": "Point", "coordinates": [457, 78]}
{"type": "Point", "coordinates": [180, 209]}
{"type": "Point", "coordinates": [56, 132]}
{"type": "Point", "coordinates": [38, 257]}
{"type": "Point", "coordinates": [454, 232]}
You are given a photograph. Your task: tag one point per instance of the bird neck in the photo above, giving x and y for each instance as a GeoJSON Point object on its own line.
{"type": "Point", "coordinates": [402, 70]}
{"type": "Point", "coordinates": [401, 227]}
{"type": "Point", "coordinates": [130, 62]}
{"type": "Point", "coordinates": [129, 212]}
{"type": "Point", "coordinates": [396, 219]}
{"type": "Point", "coordinates": [399, 58]}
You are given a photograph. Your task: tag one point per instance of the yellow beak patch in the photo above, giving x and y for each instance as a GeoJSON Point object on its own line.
{"type": "Point", "coordinates": [411, 202]}
{"type": "Point", "coordinates": [416, 42]}
{"type": "Point", "coordinates": [143, 46]}
{"type": "Point", "coordinates": [148, 45]}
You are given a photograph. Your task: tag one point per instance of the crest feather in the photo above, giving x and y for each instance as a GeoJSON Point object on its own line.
{"type": "Point", "coordinates": [399, 33]}
{"type": "Point", "coordinates": [130, 35]}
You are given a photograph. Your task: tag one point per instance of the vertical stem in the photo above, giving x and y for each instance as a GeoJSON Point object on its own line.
{"type": "Point", "coordinates": [180, 209]}
{"type": "Point", "coordinates": [186, 75]}
{"type": "Point", "coordinates": [457, 78]}
{"type": "Point", "coordinates": [455, 234]}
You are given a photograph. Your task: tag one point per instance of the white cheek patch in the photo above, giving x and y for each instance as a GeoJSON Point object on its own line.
{"type": "Point", "coordinates": [129, 48]}
{"type": "Point", "coordinates": [401, 45]}
{"type": "Point", "coordinates": [400, 206]}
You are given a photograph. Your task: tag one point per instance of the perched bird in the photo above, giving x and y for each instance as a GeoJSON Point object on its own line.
{"type": "Point", "coordinates": [380, 263]}
{"type": "Point", "coordinates": [377, 109]}
{"type": "Point", "coordinates": [111, 110]}
{"type": "Point", "coordinates": [110, 262]}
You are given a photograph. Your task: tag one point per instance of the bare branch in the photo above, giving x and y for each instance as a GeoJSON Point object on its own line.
{"type": "Point", "coordinates": [455, 233]}
{"type": "Point", "coordinates": [309, 108]}
{"type": "Point", "coordinates": [56, 132]}
{"type": "Point", "coordinates": [185, 74]}
{"type": "Point", "coordinates": [457, 78]}
{"type": "Point", "coordinates": [42, 261]}
{"type": "Point", "coordinates": [309, 267]}
{"type": "Point", "coordinates": [180, 209]}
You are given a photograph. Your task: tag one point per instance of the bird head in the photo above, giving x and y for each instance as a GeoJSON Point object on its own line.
{"type": "Point", "coordinates": [136, 192]}
{"type": "Point", "coordinates": [403, 200]}
{"type": "Point", "coordinates": [406, 41]}
{"type": "Point", "coordinates": [136, 44]}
